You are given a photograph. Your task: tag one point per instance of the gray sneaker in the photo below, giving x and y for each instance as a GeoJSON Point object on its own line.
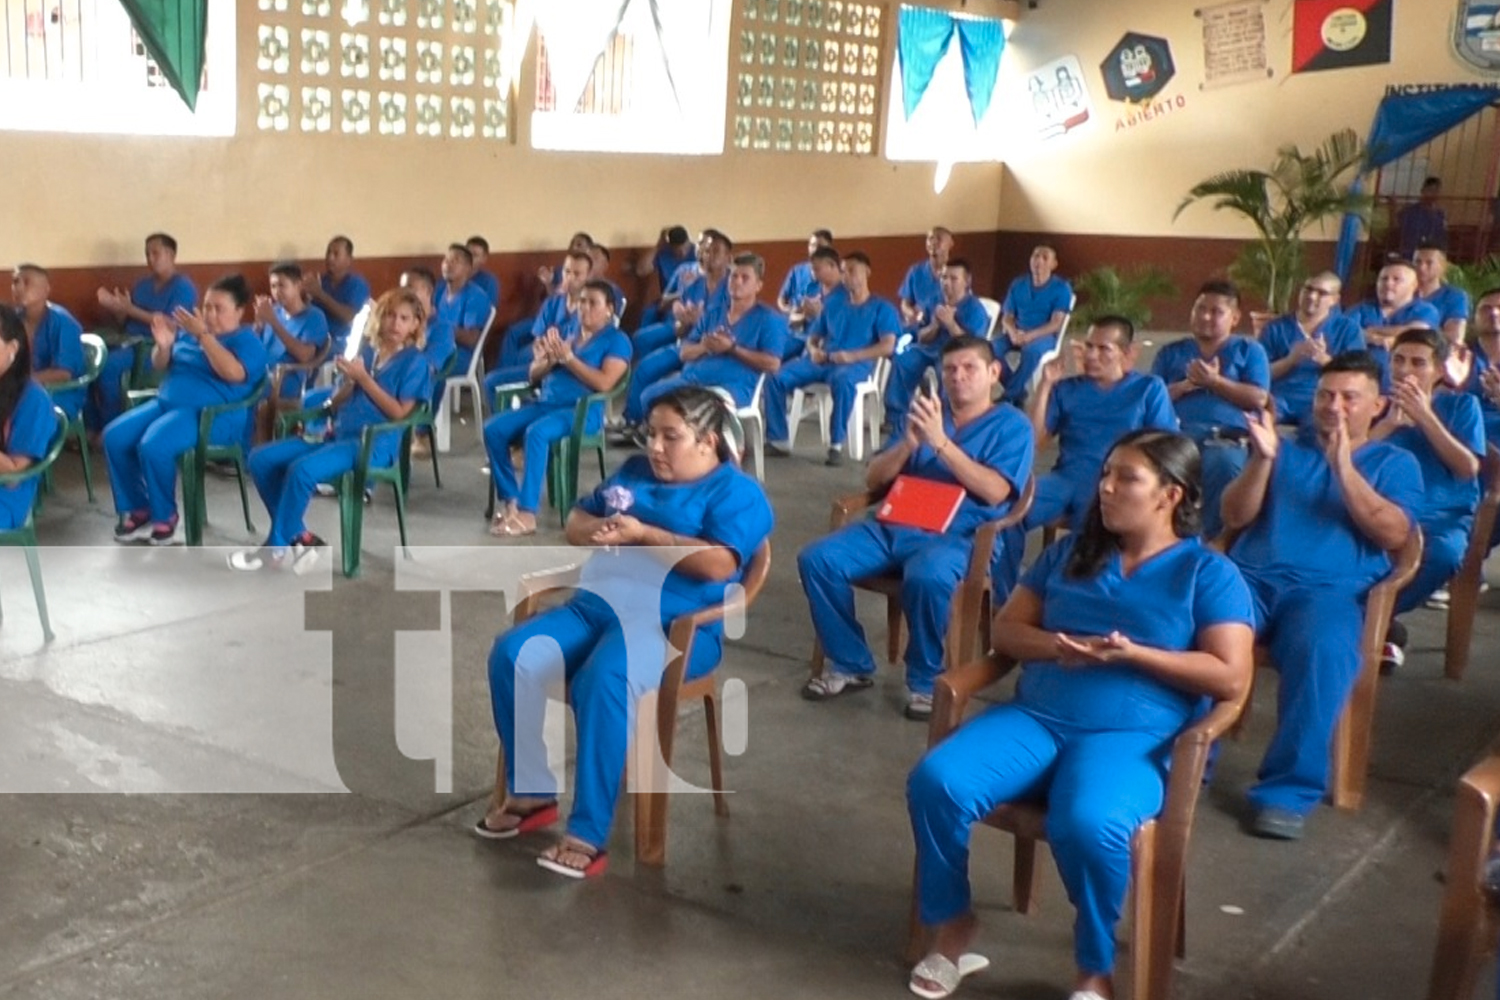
{"type": "Point", "coordinates": [778, 449]}
{"type": "Point", "coordinates": [835, 457]}
{"type": "Point", "coordinates": [918, 706]}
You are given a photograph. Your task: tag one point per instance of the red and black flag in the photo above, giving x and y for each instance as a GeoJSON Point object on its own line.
{"type": "Point", "coordinates": [1338, 34]}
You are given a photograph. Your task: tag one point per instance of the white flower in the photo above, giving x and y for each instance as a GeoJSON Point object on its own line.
{"type": "Point", "coordinates": [618, 499]}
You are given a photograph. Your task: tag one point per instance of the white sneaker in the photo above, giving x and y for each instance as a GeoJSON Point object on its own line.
{"type": "Point", "coordinates": [1439, 599]}
{"type": "Point", "coordinates": [327, 490]}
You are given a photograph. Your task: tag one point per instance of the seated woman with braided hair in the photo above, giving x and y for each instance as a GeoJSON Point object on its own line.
{"type": "Point", "coordinates": [683, 521]}
{"type": "Point", "coordinates": [1121, 630]}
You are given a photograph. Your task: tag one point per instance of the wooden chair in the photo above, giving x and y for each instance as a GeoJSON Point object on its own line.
{"type": "Point", "coordinates": [1158, 850]}
{"type": "Point", "coordinates": [1350, 763]}
{"type": "Point", "coordinates": [1467, 927]}
{"type": "Point", "coordinates": [1463, 589]}
{"type": "Point", "coordinates": [658, 710]}
{"type": "Point", "coordinates": [969, 621]}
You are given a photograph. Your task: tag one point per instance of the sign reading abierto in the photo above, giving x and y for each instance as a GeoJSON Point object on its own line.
{"type": "Point", "coordinates": [1234, 43]}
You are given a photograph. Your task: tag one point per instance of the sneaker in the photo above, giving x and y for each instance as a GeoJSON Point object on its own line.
{"type": "Point", "coordinates": [1439, 599]}
{"type": "Point", "coordinates": [918, 706]}
{"type": "Point", "coordinates": [327, 490]}
{"type": "Point", "coordinates": [832, 683]}
{"type": "Point", "coordinates": [224, 469]}
{"type": "Point", "coordinates": [165, 532]}
{"type": "Point", "coordinates": [835, 457]}
{"type": "Point", "coordinates": [252, 560]}
{"type": "Point", "coordinates": [778, 449]}
{"type": "Point", "coordinates": [305, 551]}
{"type": "Point", "coordinates": [1275, 823]}
{"type": "Point", "coordinates": [421, 446]}
{"type": "Point", "coordinates": [1392, 658]}
{"type": "Point", "coordinates": [133, 526]}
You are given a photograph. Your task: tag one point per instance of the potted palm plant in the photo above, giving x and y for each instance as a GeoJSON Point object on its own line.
{"type": "Point", "coordinates": [1107, 290]}
{"type": "Point", "coordinates": [1299, 191]}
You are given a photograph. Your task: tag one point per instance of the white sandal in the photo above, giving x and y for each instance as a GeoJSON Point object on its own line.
{"type": "Point", "coordinates": [937, 968]}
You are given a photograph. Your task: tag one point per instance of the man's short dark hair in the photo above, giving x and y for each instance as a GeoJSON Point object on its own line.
{"type": "Point", "coordinates": [1220, 286]}
{"type": "Point", "coordinates": [478, 241]}
{"type": "Point", "coordinates": [1424, 336]}
{"type": "Point", "coordinates": [422, 274]}
{"type": "Point", "coordinates": [825, 253]}
{"type": "Point", "coordinates": [348, 243]}
{"type": "Point", "coordinates": [823, 234]}
{"type": "Point", "coordinates": [165, 240]}
{"type": "Point", "coordinates": [462, 251]}
{"type": "Point", "coordinates": [1359, 362]}
{"type": "Point", "coordinates": [1432, 182]}
{"type": "Point", "coordinates": [1486, 294]}
{"type": "Point", "coordinates": [751, 260]}
{"type": "Point", "coordinates": [603, 250]}
{"type": "Point", "coordinates": [582, 255]}
{"type": "Point", "coordinates": [963, 263]}
{"type": "Point", "coordinates": [287, 269]}
{"type": "Point", "coordinates": [1045, 246]}
{"type": "Point", "coordinates": [1114, 321]}
{"type": "Point", "coordinates": [718, 237]}
{"type": "Point", "coordinates": [969, 342]}
{"type": "Point", "coordinates": [36, 269]}
{"type": "Point", "coordinates": [860, 257]}
{"type": "Point", "coordinates": [1430, 246]}
{"type": "Point", "coordinates": [677, 236]}
{"type": "Point", "coordinates": [581, 235]}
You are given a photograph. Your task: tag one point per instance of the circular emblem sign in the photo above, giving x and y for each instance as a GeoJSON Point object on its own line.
{"type": "Point", "coordinates": [1344, 29]}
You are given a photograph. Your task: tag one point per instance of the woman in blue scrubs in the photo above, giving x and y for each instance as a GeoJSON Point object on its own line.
{"type": "Point", "coordinates": [568, 368]}
{"type": "Point", "coordinates": [384, 381]}
{"type": "Point", "coordinates": [1121, 630]}
{"type": "Point", "coordinates": [679, 524]}
{"type": "Point", "coordinates": [27, 423]}
{"type": "Point", "coordinates": [210, 356]}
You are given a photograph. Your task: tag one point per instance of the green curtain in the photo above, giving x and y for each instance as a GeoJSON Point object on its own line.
{"type": "Point", "coordinates": [173, 33]}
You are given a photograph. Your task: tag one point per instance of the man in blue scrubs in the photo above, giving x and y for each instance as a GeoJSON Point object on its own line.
{"type": "Point", "coordinates": [479, 249]}
{"type": "Point", "coordinates": [1317, 516]}
{"type": "Point", "coordinates": [1394, 308]}
{"type": "Point", "coordinates": [292, 331]}
{"type": "Point", "coordinates": [163, 291]}
{"type": "Point", "coordinates": [559, 313]}
{"type": "Point", "coordinates": [55, 336]}
{"type": "Point", "coordinates": [1036, 306]}
{"type": "Point", "coordinates": [800, 282]}
{"type": "Point", "coordinates": [1300, 343]}
{"type": "Point", "coordinates": [1213, 377]}
{"type": "Point", "coordinates": [922, 289]}
{"type": "Point", "coordinates": [828, 284]}
{"type": "Point", "coordinates": [338, 291]}
{"type": "Point", "coordinates": [959, 313]}
{"type": "Point", "coordinates": [1483, 381]}
{"type": "Point", "coordinates": [461, 303]}
{"type": "Point", "coordinates": [851, 333]}
{"type": "Point", "coordinates": [963, 439]}
{"type": "Point", "coordinates": [673, 249]}
{"type": "Point", "coordinates": [1451, 302]}
{"type": "Point", "coordinates": [1445, 431]}
{"type": "Point", "coordinates": [1088, 413]}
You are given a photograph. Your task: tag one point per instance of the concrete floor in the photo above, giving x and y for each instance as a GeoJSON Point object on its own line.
{"type": "Point", "coordinates": [341, 867]}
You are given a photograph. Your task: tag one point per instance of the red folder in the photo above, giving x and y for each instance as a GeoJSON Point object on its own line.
{"type": "Point", "coordinates": [921, 503]}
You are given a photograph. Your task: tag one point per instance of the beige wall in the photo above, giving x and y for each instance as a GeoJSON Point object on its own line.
{"type": "Point", "coordinates": [81, 201]}
{"type": "Point", "coordinates": [1100, 179]}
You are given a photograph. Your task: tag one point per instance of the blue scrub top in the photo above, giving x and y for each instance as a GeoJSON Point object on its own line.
{"type": "Point", "coordinates": [408, 377]}
{"type": "Point", "coordinates": [922, 286]}
{"type": "Point", "coordinates": [178, 291]}
{"type": "Point", "coordinates": [441, 344]}
{"type": "Point", "coordinates": [486, 283]}
{"type": "Point", "coordinates": [352, 293]}
{"type": "Point", "coordinates": [309, 326]}
{"type": "Point", "coordinates": [972, 318]}
{"type": "Point", "coordinates": [726, 507]}
{"type": "Point", "coordinates": [1475, 388]}
{"type": "Point", "coordinates": [697, 293]}
{"type": "Point", "coordinates": [1450, 302]}
{"type": "Point", "coordinates": [192, 383]}
{"type": "Point", "coordinates": [58, 343]}
{"type": "Point", "coordinates": [560, 387]}
{"type": "Point", "coordinates": [1033, 306]}
{"type": "Point", "coordinates": [28, 433]}
{"type": "Point", "coordinates": [1304, 534]}
{"type": "Point", "coordinates": [467, 308]}
{"type": "Point", "coordinates": [760, 329]}
{"type": "Point", "coordinates": [1414, 313]}
{"type": "Point", "coordinates": [1447, 499]}
{"type": "Point", "coordinates": [1200, 411]}
{"type": "Point", "coordinates": [799, 284]}
{"type": "Point", "coordinates": [666, 264]}
{"type": "Point", "coordinates": [848, 327]}
{"type": "Point", "coordinates": [1088, 420]}
{"type": "Point", "coordinates": [1166, 603]}
{"type": "Point", "coordinates": [1297, 387]}
{"type": "Point", "coordinates": [555, 312]}
{"type": "Point", "coordinates": [685, 274]}
{"type": "Point", "coordinates": [1000, 438]}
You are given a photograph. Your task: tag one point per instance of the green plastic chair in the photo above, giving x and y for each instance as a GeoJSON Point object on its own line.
{"type": "Point", "coordinates": [565, 454]}
{"type": "Point", "coordinates": [24, 537]}
{"type": "Point", "coordinates": [441, 378]}
{"type": "Point", "coordinates": [94, 353]}
{"type": "Point", "coordinates": [193, 465]}
{"type": "Point", "coordinates": [351, 485]}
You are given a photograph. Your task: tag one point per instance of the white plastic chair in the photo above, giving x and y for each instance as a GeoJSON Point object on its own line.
{"type": "Point", "coordinates": [456, 384]}
{"type": "Point", "coordinates": [752, 413]}
{"type": "Point", "coordinates": [992, 309]}
{"type": "Point", "coordinates": [863, 415]}
{"type": "Point", "coordinates": [1054, 351]}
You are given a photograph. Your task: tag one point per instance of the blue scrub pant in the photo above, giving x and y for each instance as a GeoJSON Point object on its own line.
{"type": "Point", "coordinates": [141, 448]}
{"type": "Point", "coordinates": [1313, 634]}
{"type": "Point", "coordinates": [1100, 787]}
{"type": "Point", "coordinates": [515, 349]}
{"type": "Point", "coordinates": [654, 313]}
{"type": "Point", "coordinates": [287, 474]}
{"type": "Point", "coordinates": [537, 425]}
{"type": "Point", "coordinates": [105, 401]}
{"type": "Point", "coordinates": [1015, 381]}
{"type": "Point", "coordinates": [931, 567]}
{"type": "Point", "coordinates": [1222, 462]}
{"type": "Point", "coordinates": [1443, 546]}
{"type": "Point", "coordinates": [907, 370]}
{"type": "Point", "coordinates": [654, 337]}
{"type": "Point", "coordinates": [842, 381]}
{"type": "Point", "coordinates": [585, 642]}
{"type": "Point", "coordinates": [1060, 496]}
{"type": "Point", "coordinates": [651, 369]}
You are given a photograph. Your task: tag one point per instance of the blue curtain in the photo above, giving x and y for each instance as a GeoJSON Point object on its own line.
{"type": "Point", "coordinates": [921, 42]}
{"type": "Point", "coordinates": [981, 42]}
{"type": "Point", "coordinates": [1402, 123]}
